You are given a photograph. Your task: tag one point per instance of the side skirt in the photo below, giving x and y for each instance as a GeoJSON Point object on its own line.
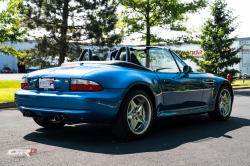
{"type": "Point", "coordinates": [185, 111]}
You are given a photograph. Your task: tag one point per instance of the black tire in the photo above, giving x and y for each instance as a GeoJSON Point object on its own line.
{"type": "Point", "coordinates": [217, 113]}
{"type": "Point", "coordinates": [47, 123]}
{"type": "Point", "coordinates": [121, 127]}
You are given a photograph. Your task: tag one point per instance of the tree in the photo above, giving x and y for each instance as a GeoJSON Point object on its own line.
{"type": "Point", "coordinates": [62, 26]}
{"type": "Point", "coordinates": [141, 16]}
{"type": "Point", "coordinates": [10, 28]}
{"type": "Point", "coordinates": [216, 42]}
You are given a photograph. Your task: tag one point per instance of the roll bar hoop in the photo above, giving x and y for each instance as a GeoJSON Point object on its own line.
{"type": "Point", "coordinates": [128, 55]}
{"type": "Point", "coordinates": [84, 52]}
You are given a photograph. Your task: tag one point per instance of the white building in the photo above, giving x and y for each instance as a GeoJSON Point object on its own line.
{"type": "Point", "coordinates": [11, 61]}
{"type": "Point", "coordinates": [243, 66]}
{"type": "Point", "coordinates": [8, 61]}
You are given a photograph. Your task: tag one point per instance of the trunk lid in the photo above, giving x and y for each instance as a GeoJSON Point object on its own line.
{"type": "Point", "coordinates": [62, 75]}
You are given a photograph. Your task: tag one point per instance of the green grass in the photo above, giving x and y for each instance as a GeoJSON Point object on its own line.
{"type": "Point", "coordinates": [239, 83]}
{"type": "Point", "coordinates": [7, 90]}
{"type": "Point", "coordinates": [7, 94]}
{"type": "Point", "coordinates": [10, 84]}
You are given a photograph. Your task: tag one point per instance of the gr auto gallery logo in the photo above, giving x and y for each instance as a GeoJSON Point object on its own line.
{"type": "Point", "coordinates": [22, 152]}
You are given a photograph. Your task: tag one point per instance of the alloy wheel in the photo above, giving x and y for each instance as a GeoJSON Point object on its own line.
{"type": "Point", "coordinates": [225, 102]}
{"type": "Point", "coordinates": [139, 114]}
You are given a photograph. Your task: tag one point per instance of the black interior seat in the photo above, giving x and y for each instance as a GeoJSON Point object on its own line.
{"type": "Point", "coordinates": [94, 58]}
{"type": "Point", "coordinates": [133, 58]}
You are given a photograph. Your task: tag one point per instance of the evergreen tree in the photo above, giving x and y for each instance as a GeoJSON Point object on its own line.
{"type": "Point", "coordinates": [62, 26]}
{"type": "Point", "coordinates": [218, 55]}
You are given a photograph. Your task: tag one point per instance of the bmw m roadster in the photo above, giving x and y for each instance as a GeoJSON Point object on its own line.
{"type": "Point", "coordinates": [131, 90]}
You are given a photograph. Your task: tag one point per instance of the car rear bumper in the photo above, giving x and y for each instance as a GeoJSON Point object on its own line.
{"type": "Point", "coordinates": [80, 107]}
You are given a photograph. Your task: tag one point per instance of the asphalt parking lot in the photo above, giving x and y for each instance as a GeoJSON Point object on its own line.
{"type": "Point", "coordinates": [183, 141]}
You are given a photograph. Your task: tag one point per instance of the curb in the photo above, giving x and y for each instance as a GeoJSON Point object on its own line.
{"type": "Point", "coordinates": [7, 105]}
{"type": "Point", "coordinates": [243, 87]}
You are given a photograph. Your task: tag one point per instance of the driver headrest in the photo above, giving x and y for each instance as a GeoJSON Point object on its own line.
{"type": "Point", "coordinates": [94, 58]}
{"type": "Point", "coordinates": [133, 58]}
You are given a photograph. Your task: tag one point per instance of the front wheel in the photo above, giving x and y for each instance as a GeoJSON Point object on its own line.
{"type": "Point", "coordinates": [135, 116]}
{"type": "Point", "coordinates": [223, 105]}
{"type": "Point", "coordinates": [49, 123]}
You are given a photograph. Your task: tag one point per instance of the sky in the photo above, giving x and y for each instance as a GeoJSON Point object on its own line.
{"type": "Point", "coordinates": [2, 6]}
{"type": "Point", "coordinates": [240, 7]}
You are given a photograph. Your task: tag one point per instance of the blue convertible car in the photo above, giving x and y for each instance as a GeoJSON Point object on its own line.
{"type": "Point", "coordinates": [137, 86]}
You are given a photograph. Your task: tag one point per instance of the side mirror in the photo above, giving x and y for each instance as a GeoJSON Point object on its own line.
{"type": "Point", "coordinates": [187, 69]}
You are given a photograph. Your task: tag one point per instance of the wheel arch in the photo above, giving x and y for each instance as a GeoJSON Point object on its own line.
{"type": "Point", "coordinates": [140, 86]}
{"type": "Point", "coordinates": [215, 114]}
{"type": "Point", "coordinates": [147, 90]}
{"type": "Point", "coordinates": [226, 83]}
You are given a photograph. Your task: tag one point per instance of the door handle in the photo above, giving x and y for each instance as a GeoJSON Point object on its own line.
{"type": "Point", "coordinates": [208, 81]}
{"type": "Point", "coordinates": [167, 81]}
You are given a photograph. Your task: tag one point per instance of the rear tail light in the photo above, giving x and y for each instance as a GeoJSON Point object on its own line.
{"type": "Point", "coordinates": [24, 83]}
{"type": "Point", "coordinates": [84, 85]}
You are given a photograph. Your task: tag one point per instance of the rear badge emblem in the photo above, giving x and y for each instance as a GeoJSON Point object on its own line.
{"type": "Point", "coordinates": [66, 81]}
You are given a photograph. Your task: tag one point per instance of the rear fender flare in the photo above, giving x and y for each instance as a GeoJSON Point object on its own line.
{"type": "Point", "coordinates": [155, 88]}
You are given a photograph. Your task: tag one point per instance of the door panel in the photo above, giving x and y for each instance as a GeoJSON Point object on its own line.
{"type": "Point", "coordinates": [181, 92]}
{"type": "Point", "coordinates": [209, 85]}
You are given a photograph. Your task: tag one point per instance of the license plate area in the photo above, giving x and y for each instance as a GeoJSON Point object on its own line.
{"type": "Point", "coordinates": [46, 83]}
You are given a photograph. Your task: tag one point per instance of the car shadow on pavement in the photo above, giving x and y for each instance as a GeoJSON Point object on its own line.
{"type": "Point", "coordinates": [165, 134]}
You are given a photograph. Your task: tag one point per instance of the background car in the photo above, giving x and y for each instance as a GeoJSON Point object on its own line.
{"type": "Point", "coordinates": [245, 75]}
{"type": "Point", "coordinates": [6, 70]}
{"type": "Point", "coordinates": [127, 93]}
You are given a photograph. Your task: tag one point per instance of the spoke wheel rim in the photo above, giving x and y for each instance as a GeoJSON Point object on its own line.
{"type": "Point", "coordinates": [225, 102]}
{"type": "Point", "coordinates": [139, 114]}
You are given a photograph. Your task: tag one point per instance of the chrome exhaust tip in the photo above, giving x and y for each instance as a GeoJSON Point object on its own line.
{"type": "Point", "coordinates": [26, 113]}
{"type": "Point", "coordinates": [63, 118]}
{"type": "Point", "coordinates": [57, 117]}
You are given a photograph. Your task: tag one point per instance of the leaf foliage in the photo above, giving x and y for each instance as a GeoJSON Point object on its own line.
{"type": "Point", "coordinates": [10, 28]}
{"type": "Point", "coordinates": [141, 16]}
